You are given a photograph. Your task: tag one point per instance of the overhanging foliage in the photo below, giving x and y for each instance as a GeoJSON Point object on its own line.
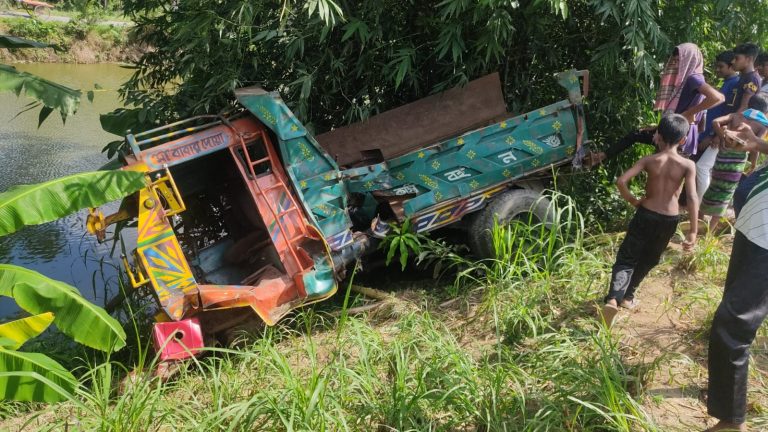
{"type": "Point", "coordinates": [53, 96]}
{"type": "Point", "coordinates": [17, 42]}
{"type": "Point", "coordinates": [45, 202]}
{"type": "Point", "coordinates": [379, 54]}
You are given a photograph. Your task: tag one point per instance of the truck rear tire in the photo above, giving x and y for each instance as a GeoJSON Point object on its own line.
{"type": "Point", "coordinates": [42, 10]}
{"type": "Point", "coordinates": [520, 204]}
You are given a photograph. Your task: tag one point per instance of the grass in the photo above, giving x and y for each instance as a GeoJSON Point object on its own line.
{"type": "Point", "coordinates": [75, 41]}
{"type": "Point", "coordinates": [521, 351]}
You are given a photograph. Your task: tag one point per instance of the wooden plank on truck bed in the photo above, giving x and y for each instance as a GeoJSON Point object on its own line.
{"type": "Point", "coordinates": [420, 123]}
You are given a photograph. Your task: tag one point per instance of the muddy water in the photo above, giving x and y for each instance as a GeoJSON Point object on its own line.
{"type": "Point", "coordinates": [28, 154]}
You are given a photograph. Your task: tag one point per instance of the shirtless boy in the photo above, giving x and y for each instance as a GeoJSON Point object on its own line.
{"type": "Point", "coordinates": [656, 218]}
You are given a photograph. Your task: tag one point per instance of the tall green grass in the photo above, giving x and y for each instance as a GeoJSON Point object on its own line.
{"type": "Point", "coordinates": [523, 355]}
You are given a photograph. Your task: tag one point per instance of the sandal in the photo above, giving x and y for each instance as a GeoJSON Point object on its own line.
{"type": "Point", "coordinates": [630, 304]}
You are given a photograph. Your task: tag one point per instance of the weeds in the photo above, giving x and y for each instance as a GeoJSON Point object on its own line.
{"type": "Point", "coordinates": [527, 358]}
{"type": "Point", "coordinates": [401, 241]}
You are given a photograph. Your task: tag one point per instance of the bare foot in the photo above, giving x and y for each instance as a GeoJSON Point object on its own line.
{"type": "Point", "coordinates": [727, 426]}
{"type": "Point", "coordinates": [713, 224]}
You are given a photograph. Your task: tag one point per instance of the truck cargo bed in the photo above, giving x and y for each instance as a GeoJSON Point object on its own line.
{"type": "Point", "coordinates": [424, 122]}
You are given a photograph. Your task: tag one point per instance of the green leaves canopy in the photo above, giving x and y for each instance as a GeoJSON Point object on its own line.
{"type": "Point", "coordinates": [75, 316]}
{"type": "Point", "coordinates": [53, 96]}
{"type": "Point", "coordinates": [338, 62]}
{"type": "Point", "coordinates": [46, 202]}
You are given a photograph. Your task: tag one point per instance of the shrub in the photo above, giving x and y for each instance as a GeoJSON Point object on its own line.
{"type": "Point", "coordinates": [77, 29]}
{"type": "Point", "coordinates": [33, 29]}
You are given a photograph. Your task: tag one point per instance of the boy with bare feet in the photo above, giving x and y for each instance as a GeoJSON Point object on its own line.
{"type": "Point", "coordinates": [656, 218]}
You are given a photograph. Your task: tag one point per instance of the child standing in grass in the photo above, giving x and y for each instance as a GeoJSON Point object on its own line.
{"type": "Point", "coordinates": [730, 162]}
{"type": "Point", "coordinates": [708, 153]}
{"type": "Point", "coordinates": [656, 218]}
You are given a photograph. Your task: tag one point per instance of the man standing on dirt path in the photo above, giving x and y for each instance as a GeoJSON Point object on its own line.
{"type": "Point", "coordinates": [745, 298]}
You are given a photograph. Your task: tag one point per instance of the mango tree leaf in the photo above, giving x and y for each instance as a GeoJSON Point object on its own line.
{"type": "Point", "coordinates": [75, 316]}
{"type": "Point", "coordinates": [120, 120]}
{"type": "Point", "coordinates": [53, 95]}
{"type": "Point", "coordinates": [17, 42]}
{"type": "Point", "coordinates": [33, 377]}
{"type": "Point", "coordinates": [44, 113]}
{"type": "Point", "coordinates": [22, 330]}
{"type": "Point", "coordinates": [403, 254]}
{"type": "Point", "coordinates": [44, 202]}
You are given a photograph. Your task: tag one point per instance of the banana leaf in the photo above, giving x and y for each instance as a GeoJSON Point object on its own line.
{"type": "Point", "coordinates": [17, 42]}
{"type": "Point", "coordinates": [33, 377]}
{"type": "Point", "coordinates": [54, 96]}
{"type": "Point", "coordinates": [45, 202]}
{"type": "Point", "coordinates": [75, 316]}
{"type": "Point", "coordinates": [22, 330]}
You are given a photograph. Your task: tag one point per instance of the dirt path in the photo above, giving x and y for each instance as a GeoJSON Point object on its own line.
{"type": "Point", "coordinates": [665, 342]}
{"type": "Point", "coordinates": [670, 355]}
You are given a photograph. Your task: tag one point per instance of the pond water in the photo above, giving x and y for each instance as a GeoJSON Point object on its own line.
{"type": "Point", "coordinates": [61, 250]}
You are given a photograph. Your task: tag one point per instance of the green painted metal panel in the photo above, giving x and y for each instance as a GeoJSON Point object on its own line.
{"type": "Point", "coordinates": [320, 282]}
{"type": "Point", "coordinates": [474, 161]}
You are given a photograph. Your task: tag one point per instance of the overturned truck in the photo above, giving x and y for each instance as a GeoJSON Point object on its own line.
{"type": "Point", "coordinates": [250, 214]}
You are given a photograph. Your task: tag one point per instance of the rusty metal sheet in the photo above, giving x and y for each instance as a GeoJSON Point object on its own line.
{"type": "Point", "coordinates": [418, 124]}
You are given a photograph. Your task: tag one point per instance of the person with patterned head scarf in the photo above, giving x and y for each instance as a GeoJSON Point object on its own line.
{"type": "Point", "coordinates": [683, 91]}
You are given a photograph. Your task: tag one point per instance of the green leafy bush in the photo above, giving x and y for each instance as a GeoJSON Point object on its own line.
{"type": "Point", "coordinates": [77, 29]}
{"type": "Point", "coordinates": [403, 242]}
{"type": "Point", "coordinates": [340, 62]}
{"type": "Point", "coordinates": [45, 31]}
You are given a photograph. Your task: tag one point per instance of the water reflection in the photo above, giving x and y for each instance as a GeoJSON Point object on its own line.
{"type": "Point", "coordinates": [28, 154]}
{"type": "Point", "coordinates": [39, 243]}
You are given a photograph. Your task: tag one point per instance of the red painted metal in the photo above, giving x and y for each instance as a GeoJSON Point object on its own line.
{"type": "Point", "coordinates": [178, 340]}
{"type": "Point", "coordinates": [277, 206]}
{"type": "Point", "coordinates": [36, 4]}
{"type": "Point", "coordinates": [271, 292]}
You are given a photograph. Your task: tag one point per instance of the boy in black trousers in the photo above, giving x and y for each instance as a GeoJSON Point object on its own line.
{"type": "Point", "coordinates": [657, 215]}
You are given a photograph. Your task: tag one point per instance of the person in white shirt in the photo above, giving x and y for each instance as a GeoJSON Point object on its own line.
{"type": "Point", "coordinates": [745, 297]}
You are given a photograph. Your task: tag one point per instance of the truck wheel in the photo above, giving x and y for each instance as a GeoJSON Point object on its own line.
{"type": "Point", "coordinates": [517, 204]}
{"type": "Point", "coordinates": [42, 10]}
